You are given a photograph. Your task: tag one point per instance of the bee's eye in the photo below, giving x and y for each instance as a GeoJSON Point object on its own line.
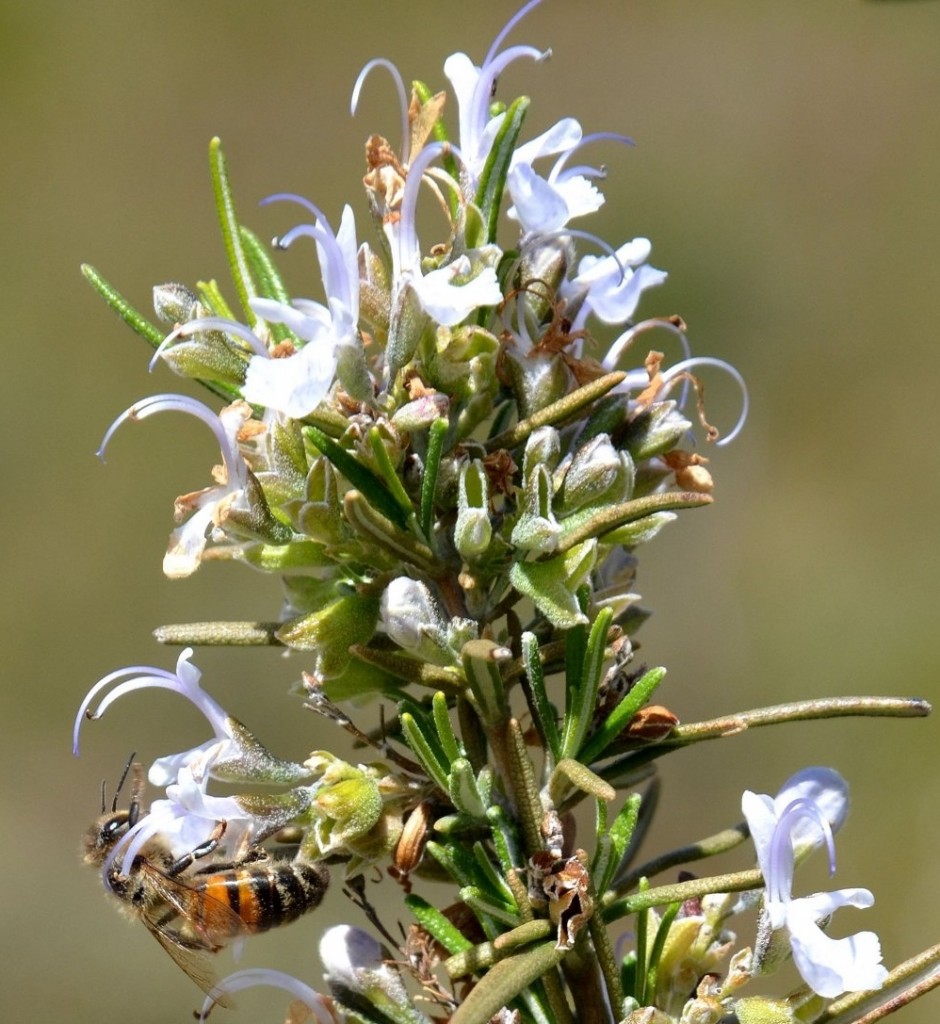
{"type": "Point", "coordinates": [113, 827]}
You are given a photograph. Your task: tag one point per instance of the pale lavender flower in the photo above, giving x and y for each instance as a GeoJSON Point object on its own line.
{"type": "Point", "coordinates": [296, 384]}
{"type": "Point", "coordinates": [187, 818]}
{"type": "Point", "coordinates": [473, 86]}
{"type": "Point", "coordinates": [184, 681]}
{"type": "Point", "coordinates": [233, 754]}
{"type": "Point", "coordinates": [208, 507]}
{"type": "Point", "coordinates": [239, 980]}
{"type": "Point", "coordinates": [356, 963]}
{"type": "Point", "coordinates": [546, 205]}
{"type": "Point", "coordinates": [610, 287]}
{"type": "Point", "coordinates": [450, 293]}
{"type": "Point", "coordinates": [804, 814]}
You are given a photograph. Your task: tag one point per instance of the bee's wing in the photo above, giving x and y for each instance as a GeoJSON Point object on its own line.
{"type": "Point", "coordinates": [200, 920]}
{"type": "Point", "coordinates": [190, 925]}
{"type": "Point", "coordinates": [192, 962]}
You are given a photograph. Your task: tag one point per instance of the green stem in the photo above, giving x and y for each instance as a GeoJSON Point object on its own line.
{"type": "Point", "coordinates": [797, 711]}
{"type": "Point", "coordinates": [721, 842]}
{"type": "Point", "coordinates": [557, 412]}
{"type": "Point", "coordinates": [614, 908]}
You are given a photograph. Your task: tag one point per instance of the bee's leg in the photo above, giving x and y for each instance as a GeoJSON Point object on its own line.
{"type": "Point", "coordinates": [203, 850]}
{"type": "Point", "coordinates": [254, 855]}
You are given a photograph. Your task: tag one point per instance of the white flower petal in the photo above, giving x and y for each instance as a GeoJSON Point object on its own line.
{"type": "Point", "coordinates": [832, 966]}
{"type": "Point", "coordinates": [307, 319]}
{"type": "Point", "coordinates": [758, 810]}
{"type": "Point", "coordinates": [562, 136]}
{"type": "Point", "coordinates": [295, 385]}
{"type": "Point", "coordinates": [449, 303]}
{"type": "Point", "coordinates": [581, 196]}
{"type": "Point", "coordinates": [537, 205]}
{"type": "Point", "coordinates": [827, 789]}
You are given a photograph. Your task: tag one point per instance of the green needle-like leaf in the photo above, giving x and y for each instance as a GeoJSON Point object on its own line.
{"type": "Point", "coordinates": [390, 476]}
{"type": "Point", "coordinates": [557, 413]}
{"type": "Point", "coordinates": [541, 707]}
{"type": "Point", "coordinates": [137, 322]}
{"type": "Point", "coordinates": [619, 718]}
{"type": "Point", "coordinates": [493, 177]}
{"type": "Point", "coordinates": [432, 465]}
{"type": "Point", "coordinates": [424, 748]}
{"type": "Point", "coordinates": [621, 832]}
{"type": "Point", "coordinates": [445, 730]}
{"type": "Point", "coordinates": [231, 233]}
{"type": "Point", "coordinates": [360, 476]}
{"type": "Point", "coordinates": [595, 522]}
{"type": "Point", "coordinates": [433, 921]}
{"type": "Point", "coordinates": [504, 981]}
{"type": "Point", "coordinates": [581, 710]}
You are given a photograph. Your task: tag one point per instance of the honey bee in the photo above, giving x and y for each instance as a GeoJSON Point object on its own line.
{"type": "Point", "coordinates": [194, 910]}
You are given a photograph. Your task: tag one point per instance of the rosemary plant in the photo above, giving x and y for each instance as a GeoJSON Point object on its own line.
{"type": "Point", "coordinates": [452, 475]}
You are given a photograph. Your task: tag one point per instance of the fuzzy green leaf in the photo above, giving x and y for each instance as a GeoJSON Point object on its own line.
{"type": "Point", "coordinates": [580, 711]}
{"type": "Point", "coordinates": [551, 584]}
{"type": "Point", "coordinates": [433, 921]}
{"type": "Point", "coordinates": [599, 522]}
{"type": "Point", "coordinates": [493, 177]}
{"type": "Point", "coordinates": [231, 234]}
{"type": "Point", "coordinates": [504, 981]}
{"type": "Point", "coordinates": [557, 412]}
{"type": "Point", "coordinates": [540, 706]}
{"type": "Point", "coordinates": [618, 719]}
{"type": "Point", "coordinates": [418, 736]}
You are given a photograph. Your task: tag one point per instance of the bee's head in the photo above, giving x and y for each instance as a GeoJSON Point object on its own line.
{"type": "Point", "coordinates": [113, 825]}
{"type": "Point", "coordinates": [101, 838]}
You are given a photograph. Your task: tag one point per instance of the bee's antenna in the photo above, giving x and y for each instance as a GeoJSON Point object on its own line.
{"type": "Point", "coordinates": [103, 785]}
{"type": "Point", "coordinates": [117, 791]}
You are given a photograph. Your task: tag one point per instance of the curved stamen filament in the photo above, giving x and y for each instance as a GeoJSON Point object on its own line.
{"type": "Point", "coordinates": [507, 28]}
{"type": "Point", "coordinates": [210, 323]}
{"type": "Point", "coordinates": [688, 364]}
{"type": "Point", "coordinates": [382, 62]}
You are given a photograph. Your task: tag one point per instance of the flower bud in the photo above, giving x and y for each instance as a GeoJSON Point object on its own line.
{"type": "Point", "coordinates": [473, 530]}
{"type": "Point", "coordinates": [175, 303]}
{"type": "Point", "coordinates": [412, 618]}
{"type": "Point", "coordinates": [408, 323]}
{"type": "Point", "coordinates": [537, 380]}
{"type": "Point", "coordinates": [421, 413]}
{"type": "Point", "coordinates": [542, 267]}
{"type": "Point", "coordinates": [543, 448]}
{"type": "Point", "coordinates": [657, 430]}
{"type": "Point", "coordinates": [331, 630]}
{"type": "Point", "coordinates": [536, 528]}
{"type": "Point", "coordinates": [320, 516]}
{"type": "Point", "coordinates": [597, 473]}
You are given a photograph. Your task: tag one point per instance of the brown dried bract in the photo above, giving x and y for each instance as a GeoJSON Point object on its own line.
{"type": "Point", "coordinates": [385, 179]}
{"type": "Point", "coordinates": [691, 474]}
{"type": "Point", "coordinates": [411, 844]}
{"type": "Point", "coordinates": [566, 884]}
{"type": "Point", "coordinates": [422, 117]}
{"type": "Point", "coordinates": [500, 471]}
{"type": "Point", "coordinates": [651, 723]}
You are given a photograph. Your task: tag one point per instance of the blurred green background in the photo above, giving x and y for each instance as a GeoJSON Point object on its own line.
{"type": "Point", "coordinates": [788, 173]}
